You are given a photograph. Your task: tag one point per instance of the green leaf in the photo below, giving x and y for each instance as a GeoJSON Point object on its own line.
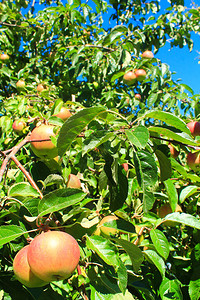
{"type": "Point", "coordinates": [169, 119]}
{"type": "Point", "coordinates": [133, 251]}
{"type": "Point", "coordinates": [170, 289]}
{"type": "Point", "coordinates": [172, 193]}
{"type": "Point", "coordinates": [139, 136]}
{"type": "Point", "coordinates": [9, 233]}
{"type": "Point", "coordinates": [53, 179]}
{"type": "Point", "coordinates": [59, 199]}
{"type": "Point", "coordinates": [165, 165]}
{"type": "Point", "coordinates": [74, 126]}
{"type": "Point", "coordinates": [22, 189]}
{"type": "Point", "coordinates": [183, 218]}
{"type": "Point", "coordinates": [157, 260]}
{"type": "Point", "coordinates": [187, 192]}
{"type": "Point", "coordinates": [160, 242]}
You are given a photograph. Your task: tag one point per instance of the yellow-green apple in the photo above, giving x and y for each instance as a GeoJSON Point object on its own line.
{"type": "Point", "coordinates": [41, 143]}
{"type": "Point", "coordinates": [20, 84]}
{"type": "Point", "coordinates": [147, 54]}
{"type": "Point", "coordinates": [104, 230]}
{"type": "Point", "coordinates": [129, 78]}
{"type": "Point", "coordinates": [194, 127]}
{"type": "Point", "coordinates": [193, 160]}
{"type": "Point", "coordinates": [140, 74]}
{"type": "Point", "coordinates": [63, 114]}
{"type": "Point", "coordinates": [138, 96]}
{"type": "Point", "coordinates": [73, 182]}
{"type": "Point", "coordinates": [4, 57]}
{"type": "Point", "coordinates": [53, 255]}
{"type": "Point", "coordinates": [95, 84]}
{"type": "Point", "coordinates": [23, 272]}
{"type": "Point", "coordinates": [19, 126]}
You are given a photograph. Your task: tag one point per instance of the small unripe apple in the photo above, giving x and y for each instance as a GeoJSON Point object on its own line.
{"type": "Point", "coordinates": [138, 96]}
{"type": "Point", "coordinates": [140, 74]}
{"type": "Point", "coordinates": [19, 126]}
{"type": "Point", "coordinates": [173, 151]}
{"type": "Point", "coordinates": [147, 54]}
{"type": "Point", "coordinates": [41, 87]}
{"type": "Point", "coordinates": [95, 84]}
{"type": "Point", "coordinates": [23, 272]}
{"type": "Point", "coordinates": [73, 182]}
{"type": "Point", "coordinates": [165, 209]}
{"type": "Point", "coordinates": [43, 149]}
{"type": "Point", "coordinates": [129, 78]}
{"type": "Point", "coordinates": [193, 160]}
{"type": "Point", "coordinates": [53, 255]}
{"type": "Point", "coordinates": [63, 114]}
{"type": "Point", "coordinates": [4, 57]}
{"type": "Point", "coordinates": [20, 84]}
{"type": "Point", "coordinates": [104, 230]}
{"type": "Point", "coordinates": [194, 128]}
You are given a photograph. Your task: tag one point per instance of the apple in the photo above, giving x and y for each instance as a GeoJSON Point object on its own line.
{"type": "Point", "coordinates": [140, 74]}
{"type": "Point", "coordinates": [125, 166]}
{"type": "Point", "coordinates": [173, 151]}
{"type": "Point", "coordinates": [20, 84]}
{"type": "Point", "coordinates": [63, 114]}
{"type": "Point", "coordinates": [41, 87]}
{"type": "Point", "coordinates": [4, 57]}
{"type": "Point", "coordinates": [165, 209]}
{"type": "Point", "coordinates": [23, 272]}
{"type": "Point", "coordinates": [194, 128]}
{"type": "Point", "coordinates": [73, 182]}
{"type": "Point", "coordinates": [19, 126]}
{"type": "Point", "coordinates": [106, 231]}
{"type": "Point", "coordinates": [53, 255]}
{"type": "Point", "coordinates": [147, 54]}
{"type": "Point", "coordinates": [138, 96]}
{"type": "Point", "coordinates": [43, 149]}
{"type": "Point", "coordinates": [129, 78]}
{"type": "Point", "coordinates": [193, 160]}
{"type": "Point", "coordinates": [95, 84]}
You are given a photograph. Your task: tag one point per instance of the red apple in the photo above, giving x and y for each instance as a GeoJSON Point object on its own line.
{"type": "Point", "coordinates": [173, 151]}
{"type": "Point", "coordinates": [53, 255]}
{"type": "Point", "coordinates": [73, 182]}
{"type": "Point", "coordinates": [106, 231]}
{"type": "Point", "coordinates": [20, 84]}
{"type": "Point", "coordinates": [23, 272]}
{"type": "Point", "coordinates": [194, 128]}
{"type": "Point", "coordinates": [125, 166]}
{"type": "Point", "coordinates": [138, 96]}
{"type": "Point", "coordinates": [4, 57]}
{"type": "Point", "coordinates": [43, 149]}
{"type": "Point", "coordinates": [147, 54]}
{"type": "Point", "coordinates": [19, 126]}
{"type": "Point", "coordinates": [193, 160]}
{"type": "Point", "coordinates": [63, 114]}
{"type": "Point", "coordinates": [140, 74]}
{"type": "Point", "coordinates": [129, 78]}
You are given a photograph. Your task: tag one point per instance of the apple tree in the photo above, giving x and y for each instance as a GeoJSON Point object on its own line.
{"type": "Point", "coordinates": [95, 143]}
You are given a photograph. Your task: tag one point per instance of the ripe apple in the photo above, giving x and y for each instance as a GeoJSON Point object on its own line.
{"type": "Point", "coordinates": [140, 74]}
{"type": "Point", "coordinates": [43, 149]}
{"type": "Point", "coordinates": [138, 96]}
{"type": "Point", "coordinates": [165, 209]}
{"type": "Point", "coordinates": [106, 231]}
{"type": "Point", "coordinates": [63, 114]}
{"type": "Point", "coordinates": [73, 182]}
{"type": "Point", "coordinates": [19, 126]}
{"type": "Point", "coordinates": [20, 84]}
{"type": "Point", "coordinates": [147, 54]}
{"type": "Point", "coordinates": [41, 87]}
{"type": "Point", "coordinates": [125, 166]}
{"type": "Point", "coordinates": [193, 160]}
{"type": "Point", "coordinates": [194, 128]}
{"type": "Point", "coordinates": [53, 255]}
{"type": "Point", "coordinates": [129, 78]}
{"type": "Point", "coordinates": [23, 272]}
{"type": "Point", "coordinates": [4, 57]}
{"type": "Point", "coordinates": [173, 151]}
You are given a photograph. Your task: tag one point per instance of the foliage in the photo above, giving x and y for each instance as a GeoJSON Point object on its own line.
{"type": "Point", "coordinates": [80, 61]}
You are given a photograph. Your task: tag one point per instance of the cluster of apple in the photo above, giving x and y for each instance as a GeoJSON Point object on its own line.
{"type": "Point", "coordinates": [51, 256]}
{"type": "Point", "coordinates": [193, 158]}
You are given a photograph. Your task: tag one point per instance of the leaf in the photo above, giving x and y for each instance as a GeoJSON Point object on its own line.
{"type": "Point", "coordinates": [160, 242]}
{"type": "Point", "coordinates": [59, 199]}
{"type": "Point", "coordinates": [172, 193]}
{"type": "Point", "coordinates": [183, 218]}
{"type": "Point", "coordinates": [165, 165]}
{"type": "Point", "coordinates": [9, 233]}
{"type": "Point", "coordinates": [156, 260]}
{"type": "Point", "coordinates": [22, 189]}
{"type": "Point", "coordinates": [187, 192]}
{"type": "Point", "coordinates": [133, 251]}
{"type": "Point", "coordinates": [53, 179]}
{"type": "Point", "coordinates": [170, 289]}
{"type": "Point", "coordinates": [139, 136]}
{"type": "Point", "coordinates": [74, 126]}
{"type": "Point", "coordinates": [169, 119]}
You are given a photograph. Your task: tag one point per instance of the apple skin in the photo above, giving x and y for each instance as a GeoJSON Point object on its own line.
{"type": "Point", "coordinates": [193, 160]}
{"type": "Point", "coordinates": [53, 255]}
{"type": "Point", "coordinates": [18, 126]}
{"type": "Point", "coordinates": [147, 54]}
{"type": "Point", "coordinates": [63, 114]}
{"type": "Point", "coordinates": [194, 128]}
{"type": "Point", "coordinates": [164, 210]}
{"type": "Point", "coordinates": [106, 231]}
{"type": "Point", "coordinates": [138, 96]}
{"type": "Point", "coordinates": [140, 74]}
{"type": "Point", "coordinates": [129, 78]}
{"type": "Point", "coordinates": [73, 182]}
{"type": "Point", "coordinates": [45, 149]}
{"type": "Point", "coordinates": [173, 151]}
{"type": "Point", "coordinates": [23, 272]}
{"type": "Point", "coordinates": [4, 57]}
{"type": "Point", "coordinates": [20, 84]}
